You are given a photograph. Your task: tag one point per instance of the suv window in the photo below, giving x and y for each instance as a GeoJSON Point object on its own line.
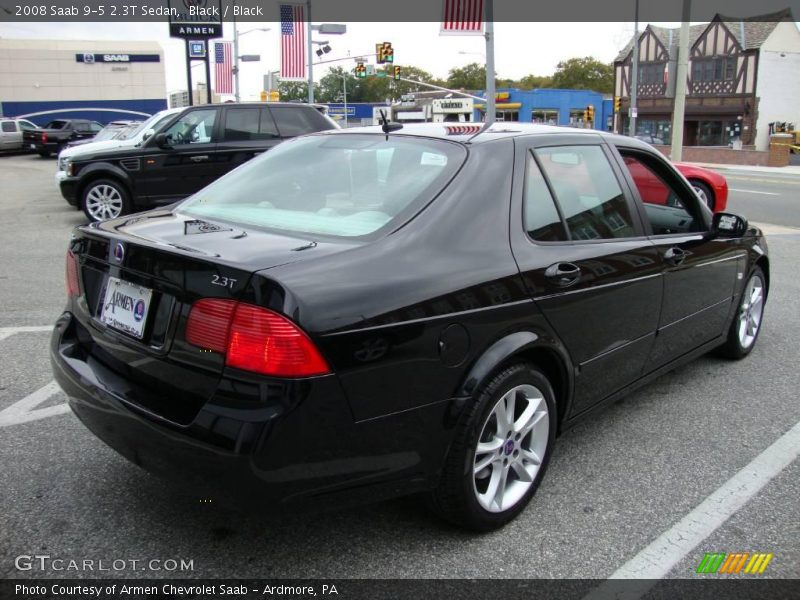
{"type": "Point", "coordinates": [195, 127]}
{"type": "Point", "coordinates": [587, 191]}
{"type": "Point", "coordinates": [294, 121]}
{"type": "Point", "coordinates": [542, 221]}
{"type": "Point", "coordinates": [26, 125]}
{"type": "Point", "coordinates": [248, 124]}
{"type": "Point", "coordinates": [95, 127]}
{"type": "Point", "coordinates": [56, 125]}
{"type": "Point", "coordinates": [9, 127]}
{"type": "Point", "coordinates": [664, 207]}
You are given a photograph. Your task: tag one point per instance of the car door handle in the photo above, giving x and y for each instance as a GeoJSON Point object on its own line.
{"type": "Point", "coordinates": [198, 158]}
{"type": "Point", "coordinates": [674, 256]}
{"type": "Point", "coordinates": [563, 273]}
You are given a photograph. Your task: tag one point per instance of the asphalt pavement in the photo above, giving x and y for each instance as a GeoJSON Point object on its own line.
{"type": "Point", "coordinates": [616, 482]}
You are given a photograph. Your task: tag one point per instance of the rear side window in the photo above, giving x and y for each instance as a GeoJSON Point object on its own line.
{"type": "Point", "coordinates": [9, 127]}
{"type": "Point", "coordinates": [56, 125]}
{"type": "Point", "coordinates": [542, 221]}
{"type": "Point", "coordinates": [248, 124]}
{"type": "Point", "coordinates": [348, 185]}
{"type": "Point", "coordinates": [587, 191]}
{"type": "Point", "coordinates": [299, 121]}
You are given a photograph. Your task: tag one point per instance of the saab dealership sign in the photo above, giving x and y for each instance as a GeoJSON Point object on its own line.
{"type": "Point", "coordinates": [195, 19]}
{"type": "Point", "coordinates": [90, 59]}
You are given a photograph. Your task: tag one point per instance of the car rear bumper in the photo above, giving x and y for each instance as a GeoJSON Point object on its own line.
{"type": "Point", "coordinates": [297, 448]}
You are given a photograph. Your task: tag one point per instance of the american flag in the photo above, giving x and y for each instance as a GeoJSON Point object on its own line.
{"type": "Point", "coordinates": [293, 42]}
{"type": "Point", "coordinates": [462, 17]}
{"type": "Point", "coordinates": [223, 61]}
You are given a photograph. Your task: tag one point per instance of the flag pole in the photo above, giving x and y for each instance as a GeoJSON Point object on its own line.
{"type": "Point", "coordinates": [310, 52]}
{"type": "Point", "coordinates": [491, 112]}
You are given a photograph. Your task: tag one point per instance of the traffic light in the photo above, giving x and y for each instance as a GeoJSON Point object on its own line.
{"type": "Point", "coordinates": [397, 73]}
{"type": "Point", "coordinates": [361, 70]}
{"type": "Point", "coordinates": [384, 52]}
{"type": "Point", "coordinates": [263, 95]}
{"type": "Point", "coordinates": [617, 103]}
{"type": "Point", "coordinates": [586, 115]}
{"type": "Point", "coordinates": [590, 113]}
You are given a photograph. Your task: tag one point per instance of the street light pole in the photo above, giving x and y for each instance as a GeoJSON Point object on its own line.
{"type": "Point", "coordinates": [344, 83]}
{"type": "Point", "coordinates": [635, 72]}
{"type": "Point", "coordinates": [680, 83]}
{"type": "Point", "coordinates": [236, 94]}
{"type": "Point", "coordinates": [491, 112]}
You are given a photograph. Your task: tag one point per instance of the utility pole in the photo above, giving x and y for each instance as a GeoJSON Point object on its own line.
{"type": "Point", "coordinates": [310, 54]}
{"type": "Point", "coordinates": [635, 72]}
{"type": "Point", "coordinates": [491, 111]}
{"type": "Point", "coordinates": [680, 83]}
{"type": "Point", "coordinates": [236, 94]}
{"type": "Point", "coordinates": [344, 83]}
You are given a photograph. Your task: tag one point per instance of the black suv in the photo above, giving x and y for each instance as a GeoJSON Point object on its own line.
{"type": "Point", "coordinates": [200, 145]}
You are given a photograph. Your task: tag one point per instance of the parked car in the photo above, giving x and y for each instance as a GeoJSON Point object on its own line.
{"type": "Point", "coordinates": [710, 186]}
{"type": "Point", "coordinates": [127, 139]}
{"type": "Point", "coordinates": [11, 132]}
{"type": "Point", "coordinates": [195, 149]}
{"type": "Point", "coordinates": [112, 131]}
{"type": "Point", "coordinates": [363, 314]}
{"type": "Point", "coordinates": [650, 139]}
{"type": "Point", "coordinates": [55, 136]}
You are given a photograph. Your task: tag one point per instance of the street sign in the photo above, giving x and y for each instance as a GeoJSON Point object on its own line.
{"type": "Point", "coordinates": [250, 57]}
{"type": "Point", "coordinates": [633, 112]}
{"type": "Point", "coordinates": [190, 20]}
{"type": "Point", "coordinates": [370, 70]}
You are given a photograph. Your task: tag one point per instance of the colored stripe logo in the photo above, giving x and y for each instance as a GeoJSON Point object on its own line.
{"type": "Point", "coordinates": [734, 563]}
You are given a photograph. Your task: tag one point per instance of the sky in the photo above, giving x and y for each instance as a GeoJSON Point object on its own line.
{"type": "Point", "coordinates": [520, 48]}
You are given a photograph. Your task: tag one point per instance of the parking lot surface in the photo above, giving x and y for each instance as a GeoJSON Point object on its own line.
{"type": "Point", "coordinates": [616, 482]}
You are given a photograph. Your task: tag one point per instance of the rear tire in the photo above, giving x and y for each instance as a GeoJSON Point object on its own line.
{"type": "Point", "coordinates": [705, 192]}
{"type": "Point", "coordinates": [746, 325]}
{"type": "Point", "coordinates": [105, 199]}
{"type": "Point", "coordinates": [496, 463]}
{"type": "Point", "coordinates": [44, 153]}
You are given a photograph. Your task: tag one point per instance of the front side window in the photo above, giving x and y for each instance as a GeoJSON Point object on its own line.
{"type": "Point", "coordinates": [667, 212]}
{"type": "Point", "coordinates": [587, 191]}
{"type": "Point", "coordinates": [348, 185]}
{"type": "Point", "coordinates": [27, 126]}
{"type": "Point", "coordinates": [195, 127]}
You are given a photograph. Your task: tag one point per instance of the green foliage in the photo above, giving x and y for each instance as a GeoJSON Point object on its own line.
{"type": "Point", "coordinates": [293, 90]}
{"type": "Point", "coordinates": [469, 77]}
{"type": "Point", "coordinates": [585, 73]}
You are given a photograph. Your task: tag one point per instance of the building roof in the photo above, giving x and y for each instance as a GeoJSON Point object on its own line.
{"type": "Point", "coordinates": [755, 29]}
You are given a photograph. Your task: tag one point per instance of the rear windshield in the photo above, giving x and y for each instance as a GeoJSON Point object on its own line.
{"type": "Point", "coordinates": [56, 125]}
{"type": "Point", "coordinates": [347, 185]}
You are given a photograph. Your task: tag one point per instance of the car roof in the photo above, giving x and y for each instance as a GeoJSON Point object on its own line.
{"type": "Point", "coordinates": [476, 133]}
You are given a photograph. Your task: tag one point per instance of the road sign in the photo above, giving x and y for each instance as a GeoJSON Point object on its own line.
{"type": "Point", "coordinates": [250, 57]}
{"type": "Point", "coordinates": [633, 112]}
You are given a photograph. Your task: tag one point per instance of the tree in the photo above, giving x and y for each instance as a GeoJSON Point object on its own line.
{"type": "Point", "coordinates": [293, 90]}
{"type": "Point", "coordinates": [584, 74]}
{"type": "Point", "coordinates": [532, 82]}
{"type": "Point", "coordinates": [469, 77]}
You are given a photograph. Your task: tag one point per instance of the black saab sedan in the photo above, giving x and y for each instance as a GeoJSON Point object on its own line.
{"type": "Point", "coordinates": [362, 314]}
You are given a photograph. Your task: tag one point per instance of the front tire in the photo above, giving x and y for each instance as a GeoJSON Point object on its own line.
{"type": "Point", "coordinates": [705, 193]}
{"type": "Point", "coordinates": [105, 199]}
{"type": "Point", "coordinates": [746, 325]}
{"type": "Point", "coordinates": [500, 451]}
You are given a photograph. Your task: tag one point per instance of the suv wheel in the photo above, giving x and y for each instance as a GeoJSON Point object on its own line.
{"type": "Point", "coordinates": [500, 452]}
{"type": "Point", "coordinates": [105, 199]}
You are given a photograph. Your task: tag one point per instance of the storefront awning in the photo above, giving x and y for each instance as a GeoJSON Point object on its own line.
{"type": "Point", "coordinates": [502, 106]}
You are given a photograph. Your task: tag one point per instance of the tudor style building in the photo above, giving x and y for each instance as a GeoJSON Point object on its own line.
{"type": "Point", "coordinates": [742, 76]}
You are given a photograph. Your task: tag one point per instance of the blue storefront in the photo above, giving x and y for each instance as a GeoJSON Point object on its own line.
{"type": "Point", "coordinates": [358, 113]}
{"type": "Point", "coordinates": [550, 106]}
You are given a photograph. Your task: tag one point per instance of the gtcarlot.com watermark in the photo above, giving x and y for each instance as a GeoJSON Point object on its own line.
{"type": "Point", "coordinates": [48, 563]}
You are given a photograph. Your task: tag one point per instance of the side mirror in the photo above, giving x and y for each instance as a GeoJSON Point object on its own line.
{"type": "Point", "coordinates": [162, 141]}
{"type": "Point", "coordinates": [728, 225]}
{"type": "Point", "coordinates": [148, 134]}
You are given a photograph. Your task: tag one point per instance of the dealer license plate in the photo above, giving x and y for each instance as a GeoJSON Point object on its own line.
{"type": "Point", "coordinates": [125, 306]}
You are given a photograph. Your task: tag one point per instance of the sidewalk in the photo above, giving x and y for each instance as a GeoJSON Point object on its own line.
{"type": "Point", "coordinates": [789, 170]}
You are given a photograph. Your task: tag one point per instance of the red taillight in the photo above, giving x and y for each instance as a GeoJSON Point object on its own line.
{"type": "Point", "coordinates": [72, 282]}
{"type": "Point", "coordinates": [254, 339]}
{"type": "Point", "coordinates": [208, 324]}
{"type": "Point", "coordinates": [44, 138]}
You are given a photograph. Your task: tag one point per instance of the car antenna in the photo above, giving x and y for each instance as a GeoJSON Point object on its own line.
{"type": "Point", "coordinates": [388, 127]}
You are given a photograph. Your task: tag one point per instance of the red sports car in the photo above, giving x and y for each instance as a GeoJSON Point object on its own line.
{"type": "Point", "coordinates": [711, 187]}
